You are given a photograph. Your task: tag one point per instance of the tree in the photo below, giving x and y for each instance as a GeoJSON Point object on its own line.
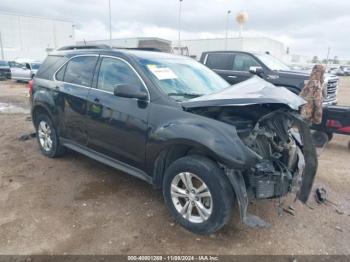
{"type": "Point", "coordinates": [315, 59]}
{"type": "Point", "coordinates": [324, 61]}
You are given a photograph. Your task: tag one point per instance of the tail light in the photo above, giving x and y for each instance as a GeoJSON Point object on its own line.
{"type": "Point", "coordinates": [30, 87]}
{"type": "Point", "coordinates": [333, 123]}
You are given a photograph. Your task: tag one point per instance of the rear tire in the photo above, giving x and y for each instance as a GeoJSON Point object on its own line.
{"type": "Point", "coordinates": [47, 137]}
{"type": "Point", "coordinates": [206, 191]}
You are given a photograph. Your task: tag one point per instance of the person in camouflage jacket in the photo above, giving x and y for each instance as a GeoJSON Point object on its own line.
{"type": "Point", "coordinates": [313, 93]}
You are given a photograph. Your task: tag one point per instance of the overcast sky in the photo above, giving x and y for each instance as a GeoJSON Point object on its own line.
{"type": "Point", "coordinates": [308, 27]}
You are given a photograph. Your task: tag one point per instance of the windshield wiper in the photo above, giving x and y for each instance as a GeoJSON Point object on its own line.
{"type": "Point", "coordinates": [190, 95]}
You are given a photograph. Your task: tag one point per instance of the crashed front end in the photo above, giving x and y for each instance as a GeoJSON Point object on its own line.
{"type": "Point", "coordinates": [287, 158]}
{"type": "Point", "coordinates": [268, 124]}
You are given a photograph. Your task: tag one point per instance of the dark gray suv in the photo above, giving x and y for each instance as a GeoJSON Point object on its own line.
{"type": "Point", "coordinates": [177, 125]}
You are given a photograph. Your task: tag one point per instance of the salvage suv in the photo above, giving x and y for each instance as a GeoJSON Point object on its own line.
{"type": "Point", "coordinates": [176, 124]}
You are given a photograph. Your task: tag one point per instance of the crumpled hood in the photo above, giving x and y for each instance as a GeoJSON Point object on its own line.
{"type": "Point", "coordinates": [252, 91]}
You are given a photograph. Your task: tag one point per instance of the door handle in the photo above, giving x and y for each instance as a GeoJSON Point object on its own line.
{"type": "Point", "coordinates": [232, 76]}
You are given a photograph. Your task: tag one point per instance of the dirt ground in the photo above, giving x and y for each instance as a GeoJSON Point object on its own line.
{"type": "Point", "coordinates": [74, 205]}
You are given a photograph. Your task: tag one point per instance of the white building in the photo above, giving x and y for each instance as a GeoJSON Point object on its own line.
{"type": "Point", "coordinates": [250, 44]}
{"type": "Point", "coordinates": [31, 37]}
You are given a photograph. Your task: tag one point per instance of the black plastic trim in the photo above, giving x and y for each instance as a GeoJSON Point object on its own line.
{"type": "Point", "coordinates": [106, 160]}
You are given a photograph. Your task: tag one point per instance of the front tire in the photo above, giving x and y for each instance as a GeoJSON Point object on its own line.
{"type": "Point", "coordinates": [47, 137]}
{"type": "Point", "coordinates": [198, 194]}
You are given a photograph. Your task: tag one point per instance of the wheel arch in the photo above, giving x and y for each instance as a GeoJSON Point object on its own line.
{"type": "Point", "coordinates": [41, 109]}
{"type": "Point", "coordinates": [174, 151]}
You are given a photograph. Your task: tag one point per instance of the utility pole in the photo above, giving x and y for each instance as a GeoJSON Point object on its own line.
{"type": "Point", "coordinates": [328, 52]}
{"type": "Point", "coordinates": [110, 23]}
{"type": "Point", "coordinates": [227, 25]}
{"type": "Point", "coordinates": [2, 48]}
{"type": "Point", "coordinates": [179, 22]}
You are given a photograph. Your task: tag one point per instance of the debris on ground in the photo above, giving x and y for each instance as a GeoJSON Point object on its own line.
{"type": "Point", "coordinates": [320, 195]}
{"type": "Point", "coordinates": [290, 210]}
{"type": "Point", "coordinates": [27, 137]}
{"type": "Point", "coordinates": [339, 211]}
{"type": "Point", "coordinates": [339, 228]}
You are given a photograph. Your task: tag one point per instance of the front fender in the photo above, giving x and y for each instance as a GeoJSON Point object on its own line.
{"type": "Point", "coordinates": [218, 139]}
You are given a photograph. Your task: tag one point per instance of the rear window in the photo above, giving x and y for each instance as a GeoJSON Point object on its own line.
{"type": "Point", "coordinates": [80, 70]}
{"type": "Point", "coordinates": [50, 66]}
{"type": "Point", "coordinates": [220, 61]}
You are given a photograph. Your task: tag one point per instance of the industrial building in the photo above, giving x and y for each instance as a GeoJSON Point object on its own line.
{"type": "Point", "coordinates": [250, 44]}
{"type": "Point", "coordinates": [29, 37]}
{"type": "Point", "coordinates": [195, 47]}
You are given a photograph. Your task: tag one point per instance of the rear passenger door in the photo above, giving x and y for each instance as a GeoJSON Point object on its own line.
{"type": "Point", "coordinates": [117, 126]}
{"type": "Point", "coordinates": [73, 81]}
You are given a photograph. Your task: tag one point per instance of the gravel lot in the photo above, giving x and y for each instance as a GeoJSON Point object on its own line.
{"type": "Point", "coordinates": [74, 205]}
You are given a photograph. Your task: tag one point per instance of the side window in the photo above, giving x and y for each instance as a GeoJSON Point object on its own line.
{"type": "Point", "coordinates": [220, 61]}
{"type": "Point", "coordinates": [80, 70]}
{"type": "Point", "coordinates": [50, 66]}
{"type": "Point", "coordinates": [60, 73]}
{"type": "Point", "coordinates": [243, 62]}
{"type": "Point", "coordinates": [114, 72]}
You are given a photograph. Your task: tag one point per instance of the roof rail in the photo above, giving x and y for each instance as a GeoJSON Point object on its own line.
{"type": "Point", "coordinates": [152, 49]}
{"type": "Point", "coordinates": [76, 47]}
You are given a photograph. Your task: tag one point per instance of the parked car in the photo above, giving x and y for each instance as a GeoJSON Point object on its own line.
{"type": "Point", "coordinates": [24, 71]}
{"type": "Point", "coordinates": [177, 125]}
{"type": "Point", "coordinates": [236, 66]}
{"type": "Point", "coordinates": [5, 72]}
{"type": "Point", "coordinates": [344, 71]}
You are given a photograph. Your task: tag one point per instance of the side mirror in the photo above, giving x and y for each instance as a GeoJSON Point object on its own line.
{"type": "Point", "coordinates": [256, 70]}
{"type": "Point", "coordinates": [24, 68]}
{"type": "Point", "coordinates": [130, 91]}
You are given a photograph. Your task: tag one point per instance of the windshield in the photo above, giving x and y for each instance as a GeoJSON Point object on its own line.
{"type": "Point", "coordinates": [272, 63]}
{"type": "Point", "coordinates": [35, 66]}
{"type": "Point", "coordinates": [183, 78]}
{"type": "Point", "coordinates": [3, 63]}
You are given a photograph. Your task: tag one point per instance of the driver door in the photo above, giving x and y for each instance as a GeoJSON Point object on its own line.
{"type": "Point", "coordinates": [117, 126]}
{"type": "Point", "coordinates": [241, 65]}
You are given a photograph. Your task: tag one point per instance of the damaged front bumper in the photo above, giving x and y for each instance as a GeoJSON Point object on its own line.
{"type": "Point", "coordinates": [302, 155]}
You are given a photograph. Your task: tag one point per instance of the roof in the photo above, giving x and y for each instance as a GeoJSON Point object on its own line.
{"type": "Point", "coordinates": [135, 53]}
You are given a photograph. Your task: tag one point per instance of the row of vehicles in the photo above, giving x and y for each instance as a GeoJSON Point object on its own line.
{"type": "Point", "coordinates": [340, 70]}
{"type": "Point", "coordinates": [21, 71]}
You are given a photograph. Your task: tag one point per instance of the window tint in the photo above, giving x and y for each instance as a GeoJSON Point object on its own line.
{"type": "Point", "coordinates": [114, 72]}
{"type": "Point", "coordinates": [220, 61]}
{"type": "Point", "coordinates": [80, 70]}
{"type": "Point", "coordinates": [60, 73]}
{"type": "Point", "coordinates": [49, 67]}
{"type": "Point", "coordinates": [244, 62]}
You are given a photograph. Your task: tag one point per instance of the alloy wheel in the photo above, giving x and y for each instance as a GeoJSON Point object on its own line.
{"type": "Point", "coordinates": [191, 197]}
{"type": "Point", "coordinates": [44, 133]}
